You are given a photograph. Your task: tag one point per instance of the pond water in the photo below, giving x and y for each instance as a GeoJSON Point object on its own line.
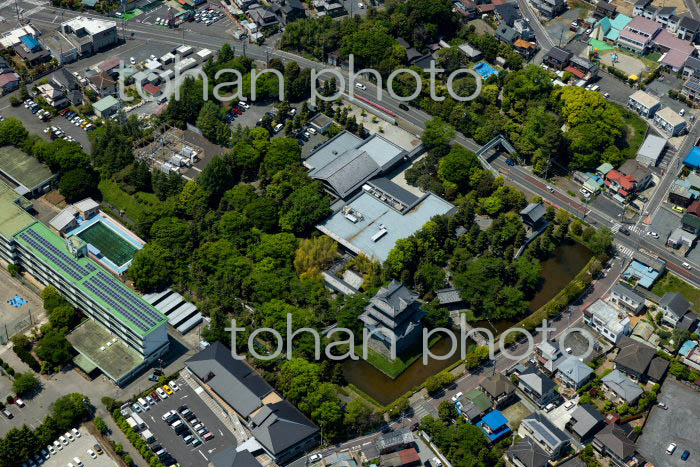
{"type": "Point", "coordinates": [557, 271]}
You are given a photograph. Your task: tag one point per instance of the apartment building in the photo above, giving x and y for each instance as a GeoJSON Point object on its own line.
{"type": "Point", "coordinates": [670, 122]}
{"type": "Point", "coordinates": [644, 104]}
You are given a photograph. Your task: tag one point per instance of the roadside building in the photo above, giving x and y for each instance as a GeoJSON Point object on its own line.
{"type": "Point", "coordinates": [688, 29]}
{"type": "Point", "coordinates": [557, 58]}
{"type": "Point", "coordinates": [644, 269]}
{"type": "Point", "coordinates": [395, 441]}
{"type": "Point", "coordinates": [534, 215]}
{"type": "Point", "coordinates": [549, 356]}
{"type": "Point", "coordinates": [499, 389]}
{"type": "Point", "coordinates": [637, 172]}
{"type": "Point", "coordinates": [681, 194]}
{"type": "Point", "coordinates": [549, 8]}
{"type": "Point", "coordinates": [626, 298]}
{"type": "Point", "coordinates": [404, 458]}
{"type": "Point", "coordinates": [620, 183]}
{"type": "Point", "coordinates": [680, 238]}
{"type": "Point", "coordinates": [670, 121]}
{"type": "Point", "coordinates": [607, 321]}
{"type": "Point", "coordinates": [89, 35]}
{"type": "Point", "coordinates": [652, 149]}
{"type": "Point", "coordinates": [690, 223]}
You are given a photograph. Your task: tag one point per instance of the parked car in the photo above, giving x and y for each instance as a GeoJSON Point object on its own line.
{"type": "Point", "coordinates": [685, 455]}
{"type": "Point", "coordinates": [150, 400]}
{"type": "Point", "coordinates": [167, 389]}
{"type": "Point", "coordinates": [161, 393]}
{"type": "Point", "coordinates": [662, 405]}
{"type": "Point", "coordinates": [208, 436]}
{"type": "Point", "coordinates": [549, 407]}
{"type": "Point", "coordinates": [58, 445]}
{"type": "Point", "coordinates": [63, 440]}
{"type": "Point", "coordinates": [569, 404]}
{"type": "Point", "coordinates": [69, 436]}
{"type": "Point", "coordinates": [315, 457]}
{"type": "Point", "coordinates": [98, 449]}
{"type": "Point", "coordinates": [19, 402]}
{"type": "Point", "coordinates": [671, 447]}
{"type": "Point", "coordinates": [92, 454]}
{"type": "Point", "coordinates": [174, 386]}
{"type": "Point", "coordinates": [76, 433]}
{"type": "Point", "coordinates": [7, 413]}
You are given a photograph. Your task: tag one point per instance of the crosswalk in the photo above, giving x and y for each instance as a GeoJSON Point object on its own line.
{"type": "Point", "coordinates": [632, 228]}
{"type": "Point", "coordinates": [422, 408]}
{"type": "Point", "coordinates": [625, 251]}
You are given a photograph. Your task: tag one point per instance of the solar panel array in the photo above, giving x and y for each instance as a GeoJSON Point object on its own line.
{"type": "Point", "coordinates": [105, 287]}
{"type": "Point", "coordinates": [95, 287]}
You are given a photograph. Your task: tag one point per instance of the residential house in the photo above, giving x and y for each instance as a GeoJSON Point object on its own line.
{"type": "Point", "coordinates": [495, 426]}
{"type": "Point", "coordinates": [288, 11]}
{"type": "Point", "coordinates": [638, 35]}
{"type": "Point", "coordinates": [643, 103]}
{"type": "Point", "coordinates": [524, 30]}
{"type": "Point", "coordinates": [525, 48]}
{"type": "Point", "coordinates": [670, 122]}
{"type": "Point", "coordinates": [652, 149]}
{"type": "Point", "coordinates": [690, 223]}
{"type": "Point", "coordinates": [585, 422]}
{"type": "Point", "coordinates": [263, 17]}
{"type": "Point", "coordinates": [549, 8]}
{"type": "Point", "coordinates": [65, 80]}
{"type": "Point", "coordinates": [674, 305]}
{"type": "Point", "coordinates": [393, 317]}
{"type": "Point", "coordinates": [412, 55]}
{"type": "Point", "coordinates": [603, 169]}
{"type": "Point", "coordinates": [404, 458]}
{"type": "Point", "coordinates": [621, 389]}
{"type": "Point", "coordinates": [394, 441]}
{"type": "Point", "coordinates": [466, 8]}
{"type": "Point", "coordinates": [537, 386]}
{"type": "Point", "coordinates": [506, 33]}
{"type": "Point", "coordinates": [499, 389]}
{"type": "Point", "coordinates": [626, 298]}
{"type": "Point", "coordinates": [471, 52]}
{"type": "Point", "coordinates": [103, 84]}
{"type": "Point", "coordinates": [551, 439]}
{"type": "Point", "coordinates": [644, 269]}
{"type": "Point", "coordinates": [582, 68]}
{"type": "Point", "coordinates": [680, 193]}
{"type": "Point", "coordinates": [229, 457]}
{"type": "Point", "coordinates": [557, 58]}
{"type": "Point", "coordinates": [640, 173]}
{"type": "Point", "coordinates": [507, 13]}
{"type": "Point", "coordinates": [691, 67]}
{"type": "Point", "coordinates": [8, 82]}
{"type": "Point", "coordinates": [573, 373]}
{"type": "Point", "coordinates": [5, 66]}
{"type": "Point", "coordinates": [615, 442]}
{"type": "Point", "coordinates": [635, 360]}
{"type": "Point", "coordinates": [604, 8]}
{"type": "Point", "coordinates": [688, 29]}
{"type": "Point", "coordinates": [691, 89]}
{"type": "Point", "coordinates": [527, 453]}
{"type": "Point", "coordinates": [607, 321]}
{"type": "Point", "coordinates": [53, 95]}
{"type": "Point", "coordinates": [473, 405]}
{"type": "Point", "coordinates": [619, 183]}
{"type": "Point", "coordinates": [549, 356]}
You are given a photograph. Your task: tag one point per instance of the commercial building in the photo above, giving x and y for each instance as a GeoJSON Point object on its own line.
{"type": "Point", "coordinates": [643, 103]}
{"type": "Point", "coordinates": [89, 35]}
{"type": "Point", "coordinates": [124, 333]}
{"type": "Point", "coordinates": [62, 49]}
{"type": "Point", "coordinates": [670, 121]}
{"type": "Point", "coordinates": [280, 429]}
{"type": "Point", "coordinates": [607, 321]}
{"type": "Point", "coordinates": [372, 221]}
{"type": "Point", "coordinates": [393, 315]}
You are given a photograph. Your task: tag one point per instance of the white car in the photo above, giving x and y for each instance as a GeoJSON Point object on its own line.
{"type": "Point", "coordinates": [153, 57]}
{"type": "Point", "coordinates": [569, 404]}
{"type": "Point", "coordinates": [52, 451]}
{"type": "Point", "coordinates": [311, 130]}
{"type": "Point", "coordinates": [549, 407]}
{"type": "Point", "coordinates": [360, 5]}
{"type": "Point", "coordinates": [436, 462]}
{"type": "Point", "coordinates": [63, 440]}
{"type": "Point", "coordinates": [687, 266]}
{"type": "Point", "coordinates": [551, 190]}
{"type": "Point", "coordinates": [161, 393]}
{"type": "Point", "coordinates": [360, 86]}
{"type": "Point", "coordinates": [456, 397]}
{"type": "Point", "coordinates": [315, 457]}
{"type": "Point", "coordinates": [92, 454]}
{"type": "Point", "coordinates": [682, 112]}
{"type": "Point", "coordinates": [76, 433]}
{"type": "Point", "coordinates": [132, 60]}
{"type": "Point", "coordinates": [167, 414]}
{"type": "Point", "coordinates": [174, 386]}
{"type": "Point", "coordinates": [69, 436]}
{"type": "Point", "coordinates": [653, 234]}
{"type": "Point", "coordinates": [568, 350]}
{"type": "Point", "coordinates": [58, 445]}
{"type": "Point", "coordinates": [150, 400]}
{"type": "Point", "coordinates": [585, 193]}
{"type": "Point", "coordinates": [245, 105]}
{"type": "Point", "coordinates": [671, 447]}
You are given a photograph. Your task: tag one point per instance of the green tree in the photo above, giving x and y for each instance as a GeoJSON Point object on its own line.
{"type": "Point", "coordinates": [54, 348]}
{"type": "Point", "coordinates": [601, 240]}
{"type": "Point", "coordinates": [211, 122]}
{"type": "Point", "coordinates": [151, 269]}
{"type": "Point", "coordinates": [218, 176]}
{"type": "Point", "coordinates": [63, 317]}
{"type": "Point", "coordinates": [78, 184]}
{"type": "Point", "coordinates": [447, 411]}
{"type": "Point", "coordinates": [25, 383]}
{"type": "Point", "coordinates": [12, 132]}
{"type": "Point", "coordinates": [437, 134]}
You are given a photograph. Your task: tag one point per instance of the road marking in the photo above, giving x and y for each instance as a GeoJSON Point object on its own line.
{"type": "Point", "coordinates": [205, 457]}
{"type": "Point", "coordinates": [221, 433]}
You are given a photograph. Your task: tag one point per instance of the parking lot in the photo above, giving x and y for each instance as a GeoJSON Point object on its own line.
{"type": "Point", "coordinates": [186, 454]}
{"type": "Point", "coordinates": [34, 125]}
{"type": "Point", "coordinates": [79, 448]}
{"type": "Point", "coordinates": [679, 424]}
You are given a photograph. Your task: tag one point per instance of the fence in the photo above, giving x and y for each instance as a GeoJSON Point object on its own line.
{"type": "Point", "coordinates": [16, 326]}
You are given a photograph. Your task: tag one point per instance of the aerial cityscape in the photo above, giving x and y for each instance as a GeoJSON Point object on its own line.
{"type": "Point", "coordinates": [341, 233]}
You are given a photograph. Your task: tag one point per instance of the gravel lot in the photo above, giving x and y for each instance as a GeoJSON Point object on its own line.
{"type": "Point", "coordinates": [679, 424]}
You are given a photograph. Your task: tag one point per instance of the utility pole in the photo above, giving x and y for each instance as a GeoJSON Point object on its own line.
{"type": "Point", "coordinates": [17, 10]}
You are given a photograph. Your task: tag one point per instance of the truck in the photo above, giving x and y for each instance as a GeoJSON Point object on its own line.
{"type": "Point", "coordinates": [140, 425]}
{"type": "Point", "coordinates": [148, 436]}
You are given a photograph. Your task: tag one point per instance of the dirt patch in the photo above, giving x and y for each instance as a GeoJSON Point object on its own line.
{"type": "Point", "coordinates": [515, 414]}
{"type": "Point", "coordinates": [55, 198]}
{"type": "Point", "coordinates": [625, 6]}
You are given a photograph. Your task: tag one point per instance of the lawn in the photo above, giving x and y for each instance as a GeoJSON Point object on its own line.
{"type": "Point", "coordinates": [635, 132]}
{"type": "Point", "coordinates": [673, 283]}
{"type": "Point", "coordinates": [393, 368]}
{"type": "Point", "coordinates": [133, 205]}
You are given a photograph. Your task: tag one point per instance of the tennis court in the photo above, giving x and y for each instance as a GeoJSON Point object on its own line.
{"type": "Point", "coordinates": [111, 245]}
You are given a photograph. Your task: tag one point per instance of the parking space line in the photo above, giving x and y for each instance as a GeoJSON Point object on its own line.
{"type": "Point", "coordinates": [205, 457]}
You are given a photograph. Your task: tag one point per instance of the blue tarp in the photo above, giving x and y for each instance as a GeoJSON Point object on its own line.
{"type": "Point", "coordinates": [497, 424]}
{"type": "Point", "coordinates": [485, 70]}
{"type": "Point", "coordinates": [30, 42]}
{"type": "Point", "coordinates": [692, 160]}
{"type": "Point", "coordinates": [687, 347]}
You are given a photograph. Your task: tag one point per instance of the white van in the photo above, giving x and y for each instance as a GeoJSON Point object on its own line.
{"type": "Point", "coordinates": [176, 424]}
{"type": "Point", "coordinates": [145, 405]}
{"type": "Point", "coordinates": [278, 128]}
{"type": "Point", "coordinates": [77, 462]}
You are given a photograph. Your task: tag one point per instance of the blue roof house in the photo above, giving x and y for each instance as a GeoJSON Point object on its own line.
{"type": "Point", "coordinates": [692, 160]}
{"type": "Point", "coordinates": [495, 426]}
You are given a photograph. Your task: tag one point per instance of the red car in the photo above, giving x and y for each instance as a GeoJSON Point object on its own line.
{"type": "Point", "coordinates": [155, 396]}
{"type": "Point", "coordinates": [237, 110]}
{"type": "Point", "coordinates": [64, 111]}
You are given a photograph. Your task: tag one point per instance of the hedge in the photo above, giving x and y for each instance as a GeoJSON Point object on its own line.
{"type": "Point", "coordinates": [28, 358]}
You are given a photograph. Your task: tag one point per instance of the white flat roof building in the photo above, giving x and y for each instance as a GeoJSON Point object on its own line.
{"type": "Point", "coordinates": [90, 26]}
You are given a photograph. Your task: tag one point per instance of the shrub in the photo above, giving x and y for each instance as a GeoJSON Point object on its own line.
{"type": "Point", "coordinates": [28, 358]}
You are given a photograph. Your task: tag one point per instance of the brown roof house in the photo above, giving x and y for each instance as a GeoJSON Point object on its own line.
{"type": "Point", "coordinates": [103, 84]}
{"type": "Point", "coordinates": [635, 360]}
{"type": "Point", "coordinates": [499, 389]}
